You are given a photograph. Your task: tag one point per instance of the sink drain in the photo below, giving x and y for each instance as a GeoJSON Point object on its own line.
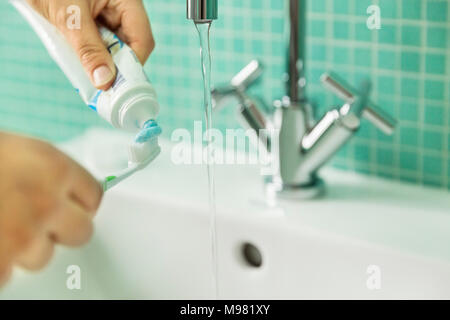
{"type": "Point", "coordinates": [251, 255]}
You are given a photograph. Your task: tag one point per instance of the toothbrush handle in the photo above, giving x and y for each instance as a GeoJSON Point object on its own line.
{"type": "Point", "coordinates": [113, 180]}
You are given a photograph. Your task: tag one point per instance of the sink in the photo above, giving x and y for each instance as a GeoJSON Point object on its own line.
{"type": "Point", "coordinates": [152, 238]}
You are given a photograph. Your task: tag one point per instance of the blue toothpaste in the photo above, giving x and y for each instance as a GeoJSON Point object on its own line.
{"type": "Point", "coordinates": [149, 131]}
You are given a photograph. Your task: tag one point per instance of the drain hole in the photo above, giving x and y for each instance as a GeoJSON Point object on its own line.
{"type": "Point", "coordinates": [252, 256]}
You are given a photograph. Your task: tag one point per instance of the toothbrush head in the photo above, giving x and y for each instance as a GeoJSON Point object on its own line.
{"type": "Point", "coordinates": [142, 153]}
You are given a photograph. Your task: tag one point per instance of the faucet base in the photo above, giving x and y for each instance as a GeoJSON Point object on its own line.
{"type": "Point", "coordinates": [294, 192]}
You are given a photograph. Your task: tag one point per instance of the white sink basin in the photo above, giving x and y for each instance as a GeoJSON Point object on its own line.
{"type": "Point", "coordinates": [152, 237]}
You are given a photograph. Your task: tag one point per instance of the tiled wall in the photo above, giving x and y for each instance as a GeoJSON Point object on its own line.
{"type": "Point", "coordinates": [408, 61]}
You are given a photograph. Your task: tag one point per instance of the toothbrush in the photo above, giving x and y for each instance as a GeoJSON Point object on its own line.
{"type": "Point", "coordinates": [113, 180]}
{"type": "Point", "coordinates": [141, 152]}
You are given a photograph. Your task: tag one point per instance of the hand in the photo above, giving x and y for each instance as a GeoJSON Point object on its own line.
{"type": "Point", "coordinates": [126, 18]}
{"type": "Point", "coordinates": [45, 198]}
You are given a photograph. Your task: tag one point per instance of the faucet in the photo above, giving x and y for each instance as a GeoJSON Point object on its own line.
{"type": "Point", "coordinates": [302, 145]}
{"type": "Point", "coordinates": [201, 11]}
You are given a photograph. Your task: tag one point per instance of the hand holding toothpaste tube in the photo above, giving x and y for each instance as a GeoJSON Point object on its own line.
{"type": "Point", "coordinates": [126, 18]}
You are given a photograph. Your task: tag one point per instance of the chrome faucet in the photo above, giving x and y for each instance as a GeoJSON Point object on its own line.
{"type": "Point", "coordinates": [201, 11]}
{"type": "Point", "coordinates": [302, 146]}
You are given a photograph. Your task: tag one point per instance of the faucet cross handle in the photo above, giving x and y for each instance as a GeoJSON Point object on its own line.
{"type": "Point", "coordinates": [367, 109]}
{"type": "Point", "coordinates": [238, 85]}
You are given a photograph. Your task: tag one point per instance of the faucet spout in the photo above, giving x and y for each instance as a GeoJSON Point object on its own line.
{"type": "Point", "coordinates": [202, 11]}
{"type": "Point", "coordinates": [296, 52]}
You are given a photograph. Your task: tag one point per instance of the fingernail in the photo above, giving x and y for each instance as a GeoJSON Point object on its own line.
{"type": "Point", "coordinates": [102, 75]}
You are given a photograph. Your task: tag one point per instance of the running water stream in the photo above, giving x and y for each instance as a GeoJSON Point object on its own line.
{"type": "Point", "coordinates": [203, 31]}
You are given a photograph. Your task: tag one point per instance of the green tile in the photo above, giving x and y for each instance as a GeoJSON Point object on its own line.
{"type": "Point", "coordinates": [434, 90]}
{"type": "Point", "coordinates": [386, 59]}
{"type": "Point", "coordinates": [386, 85]}
{"type": "Point", "coordinates": [257, 47]}
{"type": "Point", "coordinates": [277, 48]}
{"type": "Point", "coordinates": [405, 176]}
{"type": "Point", "coordinates": [362, 167]}
{"type": "Point", "coordinates": [340, 30]}
{"type": "Point", "coordinates": [362, 33]}
{"type": "Point", "coordinates": [411, 35]}
{"type": "Point", "coordinates": [363, 57]}
{"type": "Point", "coordinates": [437, 37]}
{"type": "Point", "coordinates": [341, 55]}
{"type": "Point", "coordinates": [341, 6]}
{"type": "Point", "coordinates": [387, 34]}
{"type": "Point", "coordinates": [277, 25]}
{"type": "Point", "coordinates": [257, 24]}
{"type": "Point", "coordinates": [388, 8]}
{"type": "Point", "coordinates": [362, 153]}
{"type": "Point", "coordinates": [434, 115]}
{"type": "Point", "coordinates": [410, 61]}
{"type": "Point", "coordinates": [317, 5]}
{"type": "Point", "coordinates": [238, 22]}
{"type": "Point", "coordinates": [412, 9]}
{"type": "Point", "coordinates": [409, 136]}
{"type": "Point", "coordinates": [410, 87]}
{"type": "Point", "coordinates": [432, 165]}
{"type": "Point", "coordinates": [437, 10]}
{"type": "Point", "coordinates": [408, 160]}
{"type": "Point", "coordinates": [448, 149]}
{"type": "Point", "coordinates": [432, 140]}
{"type": "Point", "coordinates": [409, 111]}
{"type": "Point", "coordinates": [238, 4]}
{"type": "Point", "coordinates": [364, 132]}
{"type": "Point", "coordinates": [385, 174]}
{"type": "Point", "coordinates": [361, 76]}
{"type": "Point", "coordinates": [274, 4]}
{"type": "Point", "coordinates": [316, 28]}
{"type": "Point", "coordinates": [385, 157]}
{"type": "Point", "coordinates": [435, 63]}
{"type": "Point", "coordinates": [433, 181]}
{"type": "Point", "coordinates": [318, 52]}
{"type": "Point", "coordinates": [238, 45]}
{"type": "Point", "coordinates": [361, 7]}
{"type": "Point", "coordinates": [257, 4]}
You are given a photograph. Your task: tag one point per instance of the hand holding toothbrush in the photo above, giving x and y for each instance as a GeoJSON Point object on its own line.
{"type": "Point", "coordinates": [45, 199]}
{"type": "Point", "coordinates": [126, 18]}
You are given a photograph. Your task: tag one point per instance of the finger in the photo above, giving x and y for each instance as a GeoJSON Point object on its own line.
{"type": "Point", "coordinates": [86, 41]}
{"type": "Point", "coordinates": [72, 226]}
{"type": "Point", "coordinates": [5, 265]}
{"type": "Point", "coordinates": [136, 31]}
{"type": "Point", "coordinates": [17, 230]}
{"type": "Point", "coordinates": [37, 255]}
{"type": "Point", "coordinates": [5, 272]}
{"type": "Point", "coordinates": [85, 189]}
